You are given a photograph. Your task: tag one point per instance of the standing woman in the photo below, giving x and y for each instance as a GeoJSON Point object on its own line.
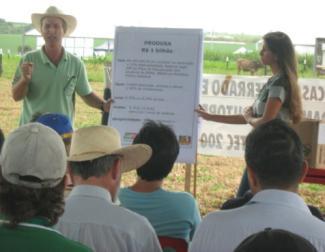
{"type": "Point", "coordinates": [280, 96]}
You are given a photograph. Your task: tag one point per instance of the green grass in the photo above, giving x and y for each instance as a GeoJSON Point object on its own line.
{"type": "Point", "coordinates": [227, 48]}
{"type": "Point", "coordinates": [9, 65]}
{"type": "Point", "coordinates": [220, 67]}
{"type": "Point", "coordinates": [98, 42]}
{"type": "Point", "coordinates": [95, 72]}
{"type": "Point", "coordinates": [313, 187]}
{"type": "Point", "coordinates": [95, 68]}
{"type": "Point", "coordinates": [215, 55]}
{"type": "Point", "coordinates": [13, 41]}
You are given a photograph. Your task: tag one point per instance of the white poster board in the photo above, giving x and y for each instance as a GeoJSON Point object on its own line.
{"type": "Point", "coordinates": [157, 76]}
{"type": "Point", "coordinates": [228, 98]}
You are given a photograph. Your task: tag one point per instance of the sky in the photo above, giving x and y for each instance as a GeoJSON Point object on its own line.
{"type": "Point", "coordinates": [303, 20]}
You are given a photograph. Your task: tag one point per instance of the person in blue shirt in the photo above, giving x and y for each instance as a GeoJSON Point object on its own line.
{"type": "Point", "coordinates": [172, 214]}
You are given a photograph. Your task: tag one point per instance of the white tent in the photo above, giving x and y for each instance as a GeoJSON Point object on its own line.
{"type": "Point", "coordinates": [240, 50]}
{"type": "Point", "coordinates": [105, 48]}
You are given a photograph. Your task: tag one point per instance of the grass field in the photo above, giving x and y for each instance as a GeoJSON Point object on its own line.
{"type": "Point", "coordinates": [217, 177]}
{"type": "Point", "coordinates": [95, 68]}
{"type": "Point", "coordinates": [13, 41]}
{"type": "Point", "coordinates": [215, 55]}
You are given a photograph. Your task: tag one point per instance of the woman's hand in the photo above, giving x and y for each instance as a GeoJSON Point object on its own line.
{"type": "Point", "coordinates": [230, 119]}
{"type": "Point", "coordinates": [202, 113]}
{"type": "Point", "coordinates": [248, 114]}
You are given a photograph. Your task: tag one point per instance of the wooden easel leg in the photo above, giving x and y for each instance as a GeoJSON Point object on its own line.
{"type": "Point", "coordinates": [188, 177]}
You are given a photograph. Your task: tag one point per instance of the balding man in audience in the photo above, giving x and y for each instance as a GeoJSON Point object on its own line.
{"type": "Point", "coordinates": [275, 163]}
{"type": "Point", "coordinates": [96, 161]}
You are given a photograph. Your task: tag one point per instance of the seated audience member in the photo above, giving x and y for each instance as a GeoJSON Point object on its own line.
{"type": "Point", "coordinates": [240, 201]}
{"type": "Point", "coordinates": [173, 214]}
{"type": "Point", "coordinates": [2, 139]}
{"type": "Point", "coordinates": [33, 166]}
{"type": "Point", "coordinates": [60, 123]}
{"type": "Point", "coordinates": [96, 161]}
{"type": "Point", "coordinates": [275, 163]}
{"type": "Point", "coordinates": [275, 240]}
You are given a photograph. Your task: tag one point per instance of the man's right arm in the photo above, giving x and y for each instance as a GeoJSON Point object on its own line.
{"type": "Point", "coordinates": [20, 88]}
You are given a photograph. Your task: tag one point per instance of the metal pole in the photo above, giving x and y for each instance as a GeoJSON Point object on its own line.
{"type": "Point", "coordinates": [107, 90]}
{"type": "Point", "coordinates": [1, 68]}
{"type": "Point", "coordinates": [188, 177]}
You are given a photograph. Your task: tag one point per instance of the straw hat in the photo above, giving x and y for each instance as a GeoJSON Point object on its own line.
{"type": "Point", "coordinates": [98, 141]}
{"type": "Point", "coordinates": [53, 11]}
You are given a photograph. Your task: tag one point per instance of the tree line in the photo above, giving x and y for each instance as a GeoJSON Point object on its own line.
{"type": "Point", "coordinates": [13, 28]}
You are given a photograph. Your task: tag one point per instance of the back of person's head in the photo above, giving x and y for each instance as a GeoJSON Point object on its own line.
{"type": "Point", "coordinates": [33, 166]}
{"type": "Point", "coordinates": [95, 149]}
{"type": "Point", "coordinates": [275, 240]}
{"type": "Point", "coordinates": [2, 139]}
{"type": "Point", "coordinates": [97, 167]}
{"type": "Point", "coordinates": [165, 148]}
{"type": "Point", "coordinates": [274, 152]}
{"type": "Point", "coordinates": [280, 44]}
{"type": "Point", "coordinates": [60, 123]}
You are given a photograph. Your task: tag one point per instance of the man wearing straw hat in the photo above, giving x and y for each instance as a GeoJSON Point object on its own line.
{"type": "Point", "coordinates": [47, 79]}
{"type": "Point", "coordinates": [96, 162]}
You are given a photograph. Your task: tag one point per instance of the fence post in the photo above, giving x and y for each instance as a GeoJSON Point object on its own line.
{"type": "Point", "coordinates": [1, 68]}
{"type": "Point", "coordinates": [188, 172]}
{"type": "Point", "coordinates": [305, 63]}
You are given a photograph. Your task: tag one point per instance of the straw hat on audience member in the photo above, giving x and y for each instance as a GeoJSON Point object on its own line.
{"type": "Point", "coordinates": [98, 141]}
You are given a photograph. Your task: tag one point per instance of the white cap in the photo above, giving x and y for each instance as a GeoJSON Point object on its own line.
{"type": "Point", "coordinates": [33, 156]}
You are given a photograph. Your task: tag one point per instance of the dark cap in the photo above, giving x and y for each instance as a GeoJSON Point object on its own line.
{"type": "Point", "coordinates": [275, 240]}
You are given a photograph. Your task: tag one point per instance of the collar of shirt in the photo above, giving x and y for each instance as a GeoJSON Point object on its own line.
{"type": "Point", "coordinates": [280, 197]}
{"type": "Point", "coordinates": [45, 59]}
{"type": "Point", "coordinates": [35, 220]}
{"type": "Point", "coordinates": [91, 191]}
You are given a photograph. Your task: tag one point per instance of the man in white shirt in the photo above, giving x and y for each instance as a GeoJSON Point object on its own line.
{"type": "Point", "coordinates": [96, 161]}
{"type": "Point", "coordinates": [275, 164]}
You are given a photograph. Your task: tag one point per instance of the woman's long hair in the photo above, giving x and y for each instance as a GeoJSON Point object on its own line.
{"type": "Point", "coordinates": [280, 44]}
